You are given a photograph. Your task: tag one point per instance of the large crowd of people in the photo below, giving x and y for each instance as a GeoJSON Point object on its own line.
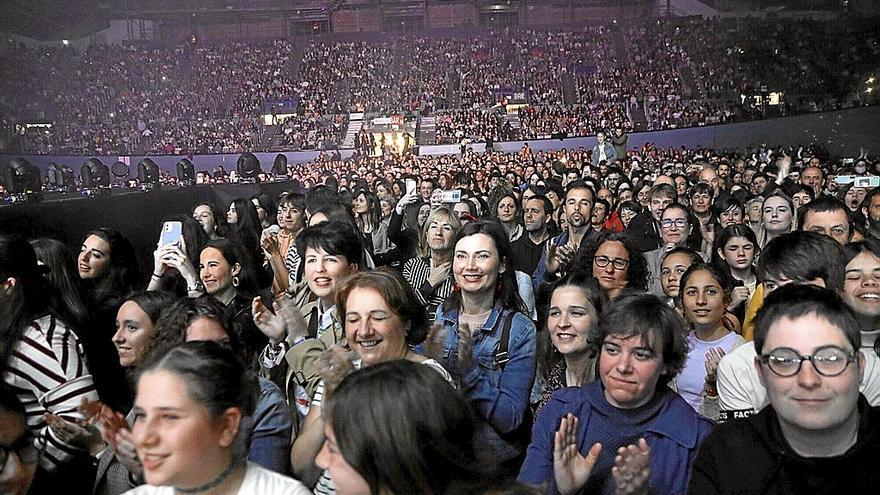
{"type": "Point", "coordinates": [614, 320]}
{"type": "Point", "coordinates": [681, 72]}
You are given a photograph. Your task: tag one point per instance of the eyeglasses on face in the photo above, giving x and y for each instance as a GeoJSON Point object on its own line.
{"type": "Point", "coordinates": [617, 263]}
{"type": "Point", "coordinates": [828, 361]}
{"type": "Point", "coordinates": [669, 222]}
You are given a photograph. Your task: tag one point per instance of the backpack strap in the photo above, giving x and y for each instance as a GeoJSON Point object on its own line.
{"type": "Point", "coordinates": [501, 354]}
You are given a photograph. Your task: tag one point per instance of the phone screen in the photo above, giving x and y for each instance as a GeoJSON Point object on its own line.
{"type": "Point", "coordinates": [171, 233]}
{"type": "Point", "coordinates": [410, 186]}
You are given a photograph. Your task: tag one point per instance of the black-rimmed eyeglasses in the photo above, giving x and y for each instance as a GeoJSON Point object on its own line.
{"type": "Point", "coordinates": [828, 361]}
{"type": "Point", "coordinates": [617, 263]}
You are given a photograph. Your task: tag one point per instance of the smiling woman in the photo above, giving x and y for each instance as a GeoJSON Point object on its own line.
{"type": "Point", "coordinates": [189, 407]}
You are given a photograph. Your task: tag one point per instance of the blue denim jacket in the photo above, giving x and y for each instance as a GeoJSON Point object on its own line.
{"type": "Point", "coordinates": [271, 429]}
{"type": "Point", "coordinates": [501, 397]}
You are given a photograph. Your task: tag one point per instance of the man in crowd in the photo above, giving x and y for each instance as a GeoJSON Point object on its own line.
{"type": "Point", "coordinates": [644, 228]}
{"type": "Point", "coordinates": [813, 176]}
{"type": "Point", "coordinates": [527, 250]}
{"type": "Point", "coordinates": [871, 211]}
{"type": "Point", "coordinates": [827, 215]}
{"type": "Point", "coordinates": [802, 258]}
{"type": "Point", "coordinates": [819, 434]}
{"type": "Point", "coordinates": [561, 250]}
{"type": "Point", "coordinates": [603, 151]}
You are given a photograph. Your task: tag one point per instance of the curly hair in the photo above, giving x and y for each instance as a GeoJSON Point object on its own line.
{"type": "Point", "coordinates": [637, 275]}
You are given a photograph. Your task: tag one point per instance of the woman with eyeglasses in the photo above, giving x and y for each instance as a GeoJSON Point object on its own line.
{"type": "Point", "coordinates": [18, 455]}
{"type": "Point", "coordinates": [615, 263]}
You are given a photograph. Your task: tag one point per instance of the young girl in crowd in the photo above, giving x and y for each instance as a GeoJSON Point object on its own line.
{"type": "Point", "coordinates": [191, 402]}
{"type": "Point", "coordinates": [704, 296]}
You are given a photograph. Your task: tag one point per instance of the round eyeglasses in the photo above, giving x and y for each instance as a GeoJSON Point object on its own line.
{"type": "Point", "coordinates": [827, 361]}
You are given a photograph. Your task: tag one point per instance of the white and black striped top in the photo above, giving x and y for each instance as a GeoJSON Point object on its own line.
{"type": "Point", "coordinates": [47, 372]}
{"type": "Point", "coordinates": [416, 271]}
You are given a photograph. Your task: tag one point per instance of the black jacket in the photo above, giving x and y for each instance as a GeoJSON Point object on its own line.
{"type": "Point", "coordinates": [750, 456]}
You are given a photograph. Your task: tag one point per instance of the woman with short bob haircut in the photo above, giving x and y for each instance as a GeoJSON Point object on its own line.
{"type": "Point", "coordinates": [640, 344]}
{"type": "Point", "coordinates": [415, 418]}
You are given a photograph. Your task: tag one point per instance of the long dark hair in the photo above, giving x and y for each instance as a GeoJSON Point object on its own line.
{"type": "Point", "coordinates": [247, 229]}
{"type": "Point", "coordinates": [124, 274]}
{"type": "Point", "coordinates": [415, 418]}
{"type": "Point", "coordinates": [62, 275]}
{"type": "Point", "coordinates": [589, 286]}
{"type": "Point", "coordinates": [30, 298]}
{"type": "Point", "coordinates": [507, 293]}
{"type": "Point", "coordinates": [729, 232]}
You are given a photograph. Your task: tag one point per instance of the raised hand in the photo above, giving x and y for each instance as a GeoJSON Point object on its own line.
{"type": "Point", "coordinates": [294, 322]}
{"type": "Point", "coordinates": [336, 365]}
{"type": "Point", "coordinates": [439, 273]}
{"type": "Point", "coordinates": [126, 453]}
{"type": "Point", "coordinates": [713, 357]}
{"type": "Point", "coordinates": [84, 436]}
{"type": "Point", "coordinates": [738, 296]}
{"type": "Point", "coordinates": [272, 325]}
{"type": "Point", "coordinates": [571, 470]}
{"type": "Point", "coordinates": [632, 469]}
{"type": "Point", "coordinates": [435, 342]}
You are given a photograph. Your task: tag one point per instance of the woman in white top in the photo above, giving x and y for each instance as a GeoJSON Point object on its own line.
{"type": "Point", "coordinates": [190, 404]}
{"type": "Point", "coordinates": [383, 318]}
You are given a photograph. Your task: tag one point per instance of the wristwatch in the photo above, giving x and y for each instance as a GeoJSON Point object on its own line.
{"type": "Point", "coordinates": [198, 286]}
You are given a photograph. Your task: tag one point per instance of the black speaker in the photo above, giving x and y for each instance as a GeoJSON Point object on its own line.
{"type": "Point", "coordinates": [248, 167]}
{"type": "Point", "coordinates": [148, 173]}
{"type": "Point", "coordinates": [94, 173]}
{"type": "Point", "coordinates": [20, 177]}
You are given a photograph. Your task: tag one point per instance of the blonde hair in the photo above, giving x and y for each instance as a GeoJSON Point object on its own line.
{"type": "Point", "coordinates": [442, 213]}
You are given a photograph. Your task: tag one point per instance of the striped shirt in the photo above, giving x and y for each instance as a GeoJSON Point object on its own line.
{"type": "Point", "coordinates": [48, 374]}
{"type": "Point", "coordinates": [416, 271]}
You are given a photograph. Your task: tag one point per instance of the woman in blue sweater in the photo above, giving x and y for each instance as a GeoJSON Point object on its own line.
{"type": "Point", "coordinates": [586, 436]}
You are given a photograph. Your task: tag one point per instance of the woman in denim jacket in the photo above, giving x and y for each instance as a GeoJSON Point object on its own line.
{"type": "Point", "coordinates": [494, 373]}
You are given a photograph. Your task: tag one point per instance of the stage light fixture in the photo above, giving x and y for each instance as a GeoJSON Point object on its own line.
{"type": "Point", "coordinates": [148, 174]}
{"type": "Point", "coordinates": [21, 179]}
{"type": "Point", "coordinates": [279, 168]}
{"type": "Point", "coordinates": [248, 167]}
{"type": "Point", "coordinates": [94, 174]}
{"type": "Point", "coordinates": [120, 170]}
{"type": "Point", "coordinates": [61, 177]}
{"type": "Point", "coordinates": [186, 172]}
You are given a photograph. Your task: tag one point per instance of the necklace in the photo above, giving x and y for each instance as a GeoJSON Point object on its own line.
{"type": "Point", "coordinates": [233, 463]}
